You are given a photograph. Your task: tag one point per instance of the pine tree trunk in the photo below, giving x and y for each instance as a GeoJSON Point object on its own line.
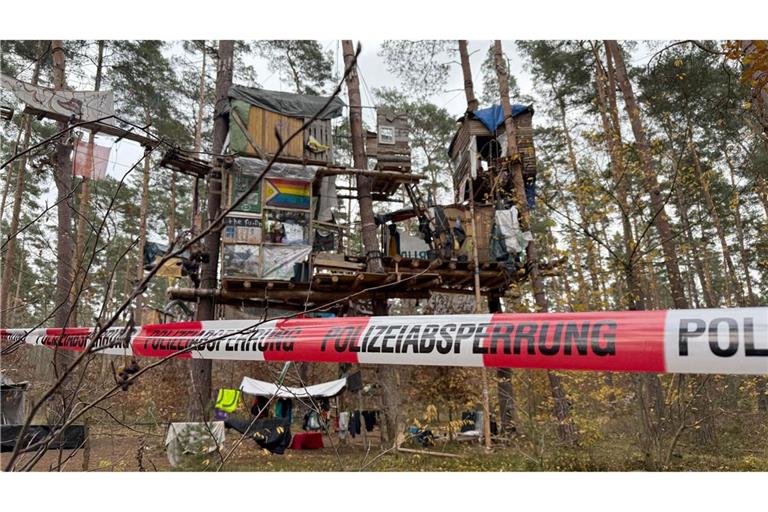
{"type": "Point", "coordinates": [466, 71]}
{"type": "Point", "coordinates": [649, 179]}
{"type": "Point", "coordinates": [172, 216]}
{"type": "Point", "coordinates": [761, 186]}
{"type": "Point", "coordinates": [9, 172]}
{"type": "Point", "coordinates": [733, 284]}
{"type": "Point", "coordinates": [609, 116]}
{"type": "Point", "coordinates": [62, 175]}
{"type": "Point", "coordinates": [566, 428]}
{"type": "Point", "coordinates": [196, 221]}
{"type": "Point", "coordinates": [580, 205]}
{"type": "Point", "coordinates": [704, 277]}
{"type": "Point", "coordinates": [387, 375]}
{"type": "Point", "coordinates": [143, 210]}
{"type": "Point", "coordinates": [9, 258]}
{"type": "Point", "coordinates": [201, 370]}
{"type": "Point", "coordinates": [751, 299]}
{"type": "Point", "coordinates": [85, 199]}
{"type": "Point", "coordinates": [508, 419]}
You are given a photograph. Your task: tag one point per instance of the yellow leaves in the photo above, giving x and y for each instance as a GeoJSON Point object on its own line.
{"type": "Point", "coordinates": [678, 63]}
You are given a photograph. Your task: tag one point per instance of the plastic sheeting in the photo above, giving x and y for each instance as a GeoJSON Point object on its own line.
{"type": "Point", "coordinates": [328, 199]}
{"type": "Point", "coordinates": [493, 117]}
{"type": "Point", "coordinates": [255, 166]}
{"type": "Point", "coordinates": [261, 388]}
{"type": "Point", "coordinates": [280, 259]}
{"type": "Point", "coordinates": [191, 438]}
{"type": "Point", "coordinates": [515, 239]}
{"type": "Point", "coordinates": [286, 103]}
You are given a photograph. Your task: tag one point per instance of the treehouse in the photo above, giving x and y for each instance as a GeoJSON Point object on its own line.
{"type": "Point", "coordinates": [478, 152]}
{"type": "Point", "coordinates": [281, 243]}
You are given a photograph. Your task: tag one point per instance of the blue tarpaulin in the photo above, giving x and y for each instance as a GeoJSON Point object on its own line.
{"type": "Point", "coordinates": [493, 117]}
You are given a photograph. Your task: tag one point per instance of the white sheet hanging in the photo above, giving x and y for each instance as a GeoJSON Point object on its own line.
{"type": "Point", "coordinates": [261, 388]}
{"type": "Point", "coordinates": [515, 240]}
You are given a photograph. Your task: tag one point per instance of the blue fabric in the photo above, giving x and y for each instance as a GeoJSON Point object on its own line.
{"type": "Point", "coordinates": [493, 117]}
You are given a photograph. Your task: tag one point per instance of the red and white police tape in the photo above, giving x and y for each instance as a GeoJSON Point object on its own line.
{"type": "Point", "coordinates": [727, 341]}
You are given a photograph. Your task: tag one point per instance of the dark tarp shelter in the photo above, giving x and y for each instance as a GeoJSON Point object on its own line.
{"type": "Point", "coordinates": [287, 104]}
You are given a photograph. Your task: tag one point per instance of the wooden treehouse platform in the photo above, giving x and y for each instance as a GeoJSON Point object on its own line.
{"type": "Point", "coordinates": [405, 278]}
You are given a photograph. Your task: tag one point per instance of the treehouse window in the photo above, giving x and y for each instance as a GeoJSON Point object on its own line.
{"type": "Point", "coordinates": [386, 134]}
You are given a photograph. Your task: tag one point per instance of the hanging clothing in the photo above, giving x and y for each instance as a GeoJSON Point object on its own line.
{"type": "Point", "coordinates": [343, 424]}
{"type": "Point", "coordinates": [355, 382]}
{"type": "Point", "coordinates": [530, 191]}
{"type": "Point", "coordinates": [354, 424]}
{"type": "Point", "coordinates": [369, 417]}
{"type": "Point", "coordinates": [259, 407]}
{"type": "Point", "coordinates": [311, 421]}
{"type": "Point", "coordinates": [459, 236]}
{"type": "Point", "coordinates": [284, 409]}
{"type": "Point", "coordinates": [228, 399]}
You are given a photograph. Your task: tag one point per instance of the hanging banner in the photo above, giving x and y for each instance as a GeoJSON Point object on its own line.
{"type": "Point", "coordinates": [84, 105]}
{"type": "Point", "coordinates": [727, 341]}
{"type": "Point", "coordinates": [287, 193]}
{"type": "Point", "coordinates": [90, 160]}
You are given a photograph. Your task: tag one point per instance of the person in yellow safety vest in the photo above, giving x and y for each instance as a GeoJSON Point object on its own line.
{"type": "Point", "coordinates": [228, 399]}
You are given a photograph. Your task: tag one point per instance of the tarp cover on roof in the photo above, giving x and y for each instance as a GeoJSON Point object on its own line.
{"type": "Point", "coordinates": [261, 388]}
{"type": "Point", "coordinates": [493, 117]}
{"type": "Point", "coordinates": [286, 103]}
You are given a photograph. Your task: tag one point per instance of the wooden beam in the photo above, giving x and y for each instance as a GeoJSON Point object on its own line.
{"type": "Point", "coordinates": [95, 127]}
{"type": "Point", "coordinates": [393, 175]}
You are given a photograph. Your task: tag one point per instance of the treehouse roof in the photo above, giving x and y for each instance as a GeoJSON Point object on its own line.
{"type": "Point", "coordinates": [286, 103]}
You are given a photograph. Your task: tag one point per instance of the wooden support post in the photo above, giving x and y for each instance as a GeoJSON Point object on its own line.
{"type": "Point", "coordinates": [478, 307]}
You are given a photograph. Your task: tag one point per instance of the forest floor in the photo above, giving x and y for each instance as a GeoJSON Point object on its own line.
{"type": "Point", "coordinates": [146, 453]}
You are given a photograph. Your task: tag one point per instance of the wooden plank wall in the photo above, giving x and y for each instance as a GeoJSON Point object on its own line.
{"type": "Point", "coordinates": [323, 133]}
{"type": "Point", "coordinates": [261, 126]}
{"type": "Point", "coordinates": [524, 124]}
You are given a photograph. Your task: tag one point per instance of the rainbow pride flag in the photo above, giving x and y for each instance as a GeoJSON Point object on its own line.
{"type": "Point", "coordinates": [287, 193]}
